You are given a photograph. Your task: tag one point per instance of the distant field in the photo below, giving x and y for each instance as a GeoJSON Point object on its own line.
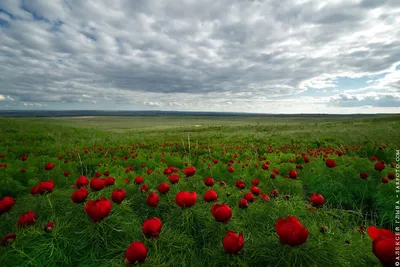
{"type": "Point", "coordinates": [351, 130]}
{"type": "Point", "coordinates": [130, 123]}
{"type": "Point", "coordinates": [127, 147]}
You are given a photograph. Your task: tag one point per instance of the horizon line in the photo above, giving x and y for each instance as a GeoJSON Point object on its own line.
{"type": "Point", "coordinates": [178, 111]}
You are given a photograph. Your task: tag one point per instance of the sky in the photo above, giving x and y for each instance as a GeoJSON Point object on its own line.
{"type": "Point", "coordinates": [275, 56]}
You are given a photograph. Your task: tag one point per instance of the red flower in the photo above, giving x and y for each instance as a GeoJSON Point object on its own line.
{"type": "Point", "coordinates": [152, 227]}
{"type": "Point", "coordinates": [167, 171]}
{"type": "Point", "coordinates": [330, 163]}
{"type": "Point", "coordinates": [189, 172]}
{"type": "Point", "coordinates": [243, 203]}
{"type": "Point", "coordinates": [221, 212]}
{"type": "Point", "coordinates": [209, 181]}
{"type": "Point", "coordinates": [129, 169]}
{"type": "Point", "coordinates": [98, 209]}
{"type": "Point", "coordinates": [139, 180]}
{"type": "Point", "coordinates": [215, 161]}
{"type": "Point", "coordinates": [255, 182]}
{"type": "Point", "coordinates": [163, 188]}
{"type": "Point", "coordinates": [249, 197]}
{"type": "Point", "coordinates": [6, 204]}
{"type": "Point", "coordinates": [46, 186]}
{"type": "Point", "coordinates": [233, 242]}
{"type": "Point", "coordinates": [231, 169]}
{"type": "Point", "coordinates": [240, 184]}
{"type": "Point", "coordinates": [110, 181]}
{"type": "Point", "coordinates": [210, 196]}
{"type": "Point", "coordinates": [118, 195]}
{"type": "Point", "coordinates": [82, 181]}
{"type": "Point", "coordinates": [24, 157]}
{"type": "Point", "coordinates": [373, 158]}
{"type": "Point", "coordinates": [152, 199]}
{"type": "Point", "coordinates": [49, 227]}
{"type": "Point", "coordinates": [273, 175]}
{"type": "Point", "coordinates": [299, 166]}
{"type": "Point", "coordinates": [144, 188]}
{"type": "Point", "coordinates": [265, 166]}
{"type": "Point", "coordinates": [173, 178]}
{"type": "Point", "coordinates": [379, 166]}
{"type": "Point", "coordinates": [293, 174]}
{"type": "Point", "coordinates": [26, 219]}
{"type": "Point", "coordinates": [79, 196]}
{"type": "Point", "coordinates": [8, 238]}
{"type": "Point", "coordinates": [391, 176]}
{"type": "Point", "coordinates": [290, 231]}
{"type": "Point", "coordinates": [255, 190]}
{"type": "Point", "coordinates": [43, 187]}
{"type": "Point", "coordinates": [136, 252]}
{"type": "Point", "coordinates": [185, 199]}
{"type": "Point", "coordinates": [22, 170]}
{"type": "Point", "coordinates": [383, 245]}
{"type": "Point", "coordinates": [317, 200]}
{"type": "Point", "coordinates": [67, 173]}
{"type": "Point", "coordinates": [364, 175]}
{"type": "Point", "coordinates": [264, 197]}
{"type": "Point", "coordinates": [49, 166]}
{"type": "Point", "coordinates": [97, 184]}
{"type": "Point", "coordinates": [385, 180]}
{"type": "Point", "coordinates": [274, 193]}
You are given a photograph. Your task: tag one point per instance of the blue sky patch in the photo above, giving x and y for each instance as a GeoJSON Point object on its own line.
{"type": "Point", "coordinates": [4, 23]}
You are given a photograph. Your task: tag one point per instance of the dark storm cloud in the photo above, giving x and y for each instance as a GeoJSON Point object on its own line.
{"type": "Point", "coordinates": [210, 52]}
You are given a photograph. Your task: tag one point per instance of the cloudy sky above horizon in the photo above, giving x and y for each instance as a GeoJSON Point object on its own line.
{"type": "Point", "coordinates": [280, 56]}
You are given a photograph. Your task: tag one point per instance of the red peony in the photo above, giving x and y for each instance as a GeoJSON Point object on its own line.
{"type": "Point", "coordinates": [98, 209]}
{"type": "Point", "coordinates": [233, 242]}
{"type": "Point", "coordinates": [290, 231]}
{"type": "Point", "coordinates": [152, 227]}
{"type": "Point", "coordinates": [221, 212]}
{"type": "Point", "coordinates": [185, 199]}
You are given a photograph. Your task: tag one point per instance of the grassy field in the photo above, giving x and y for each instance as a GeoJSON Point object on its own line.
{"type": "Point", "coordinates": [191, 236]}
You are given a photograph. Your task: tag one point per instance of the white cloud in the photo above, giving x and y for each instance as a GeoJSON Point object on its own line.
{"type": "Point", "coordinates": [367, 99]}
{"type": "Point", "coordinates": [195, 54]}
{"type": "Point", "coordinates": [5, 17]}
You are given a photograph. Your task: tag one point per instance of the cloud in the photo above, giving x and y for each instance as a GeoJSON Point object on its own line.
{"type": "Point", "coordinates": [370, 99]}
{"type": "Point", "coordinates": [222, 55]}
{"type": "Point", "coordinates": [34, 105]}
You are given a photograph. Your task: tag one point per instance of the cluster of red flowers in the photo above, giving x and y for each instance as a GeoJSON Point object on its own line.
{"type": "Point", "coordinates": [289, 230]}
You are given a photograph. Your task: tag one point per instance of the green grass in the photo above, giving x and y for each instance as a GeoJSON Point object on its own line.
{"type": "Point", "coordinates": [191, 237]}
